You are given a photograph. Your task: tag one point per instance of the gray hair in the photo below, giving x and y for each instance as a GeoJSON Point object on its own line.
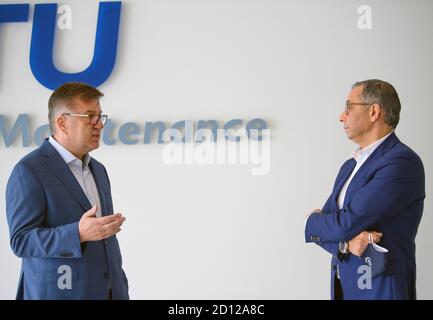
{"type": "Point", "coordinates": [384, 94]}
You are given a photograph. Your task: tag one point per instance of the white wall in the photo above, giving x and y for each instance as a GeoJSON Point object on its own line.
{"type": "Point", "coordinates": [199, 232]}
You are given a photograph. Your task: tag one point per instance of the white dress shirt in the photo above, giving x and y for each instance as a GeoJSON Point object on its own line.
{"type": "Point", "coordinates": [82, 173]}
{"type": "Point", "coordinates": [360, 155]}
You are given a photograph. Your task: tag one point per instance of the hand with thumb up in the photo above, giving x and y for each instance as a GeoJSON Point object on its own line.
{"type": "Point", "coordinates": [92, 228]}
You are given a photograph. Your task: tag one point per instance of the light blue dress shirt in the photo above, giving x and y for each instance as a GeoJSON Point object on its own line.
{"type": "Point", "coordinates": [82, 173]}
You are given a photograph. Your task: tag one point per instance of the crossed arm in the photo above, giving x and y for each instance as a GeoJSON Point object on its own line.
{"type": "Point", "coordinates": [394, 187]}
{"type": "Point", "coordinates": [355, 246]}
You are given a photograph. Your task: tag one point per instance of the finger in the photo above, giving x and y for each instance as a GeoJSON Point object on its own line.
{"type": "Point", "coordinates": [113, 225]}
{"type": "Point", "coordinates": [91, 212]}
{"type": "Point", "coordinates": [110, 218]}
{"type": "Point", "coordinates": [377, 236]}
{"type": "Point", "coordinates": [116, 231]}
{"type": "Point", "coordinates": [110, 233]}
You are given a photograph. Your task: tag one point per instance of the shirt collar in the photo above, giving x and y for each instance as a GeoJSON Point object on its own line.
{"type": "Point", "coordinates": [360, 154]}
{"type": "Point", "coordinates": [67, 155]}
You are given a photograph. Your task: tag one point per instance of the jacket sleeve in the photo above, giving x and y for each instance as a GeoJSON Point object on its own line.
{"type": "Point", "coordinates": [25, 208]}
{"type": "Point", "coordinates": [331, 247]}
{"type": "Point", "coordinates": [393, 188]}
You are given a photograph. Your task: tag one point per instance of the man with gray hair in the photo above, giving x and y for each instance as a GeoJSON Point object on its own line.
{"type": "Point", "coordinates": [378, 195]}
{"type": "Point", "coordinates": [59, 207]}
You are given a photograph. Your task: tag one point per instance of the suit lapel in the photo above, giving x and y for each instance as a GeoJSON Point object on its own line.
{"type": "Point", "coordinates": [342, 179]}
{"type": "Point", "coordinates": [97, 176]}
{"type": "Point", "coordinates": [59, 167]}
{"type": "Point", "coordinates": [357, 180]}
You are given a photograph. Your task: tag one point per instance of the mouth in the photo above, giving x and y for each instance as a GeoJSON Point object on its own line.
{"type": "Point", "coordinates": [96, 135]}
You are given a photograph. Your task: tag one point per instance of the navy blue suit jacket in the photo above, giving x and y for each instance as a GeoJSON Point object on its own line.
{"type": "Point", "coordinates": [44, 203]}
{"type": "Point", "coordinates": [386, 195]}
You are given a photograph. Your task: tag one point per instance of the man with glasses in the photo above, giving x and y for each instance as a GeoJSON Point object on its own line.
{"type": "Point", "coordinates": [59, 207]}
{"type": "Point", "coordinates": [378, 195]}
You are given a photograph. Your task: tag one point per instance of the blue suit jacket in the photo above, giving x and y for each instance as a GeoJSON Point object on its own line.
{"type": "Point", "coordinates": [386, 195]}
{"type": "Point", "coordinates": [44, 203]}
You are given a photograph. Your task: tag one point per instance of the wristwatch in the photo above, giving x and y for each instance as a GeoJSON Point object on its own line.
{"type": "Point", "coordinates": [343, 246]}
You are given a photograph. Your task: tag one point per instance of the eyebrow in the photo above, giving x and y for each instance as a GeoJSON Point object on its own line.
{"type": "Point", "coordinates": [91, 111]}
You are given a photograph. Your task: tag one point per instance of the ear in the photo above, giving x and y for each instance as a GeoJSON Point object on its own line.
{"type": "Point", "coordinates": [61, 124]}
{"type": "Point", "coordinates": [375, 112]}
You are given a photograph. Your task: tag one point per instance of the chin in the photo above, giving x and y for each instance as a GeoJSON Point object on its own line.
{"type": "Point", "coordinates": [93, 146]}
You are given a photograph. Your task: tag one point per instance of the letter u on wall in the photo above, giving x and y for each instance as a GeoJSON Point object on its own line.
{"type": "Point", "coordinates": [104, 55]}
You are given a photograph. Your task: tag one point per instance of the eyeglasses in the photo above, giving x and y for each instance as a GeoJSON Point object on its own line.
{"type": "Point", "coordinates": [93, 118]}
{"type": "Point", "coordinates": [349, 105]}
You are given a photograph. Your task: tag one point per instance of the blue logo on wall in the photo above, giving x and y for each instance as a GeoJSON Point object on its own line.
{"type": "Point", "coordinates": [41, 49]}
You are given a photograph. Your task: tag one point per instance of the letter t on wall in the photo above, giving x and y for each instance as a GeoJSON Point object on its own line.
{"type": "Point", "coordinates": [14, 12]}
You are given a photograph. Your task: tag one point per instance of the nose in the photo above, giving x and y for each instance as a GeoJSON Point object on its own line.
{"type": "Point", "coordinates": [99, 124]}
{"type": "Point", "coordinates": [343, 117]}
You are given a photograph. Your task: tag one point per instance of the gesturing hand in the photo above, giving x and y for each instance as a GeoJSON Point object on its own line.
{"type": "Point", "coordinates": [92, 228]}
